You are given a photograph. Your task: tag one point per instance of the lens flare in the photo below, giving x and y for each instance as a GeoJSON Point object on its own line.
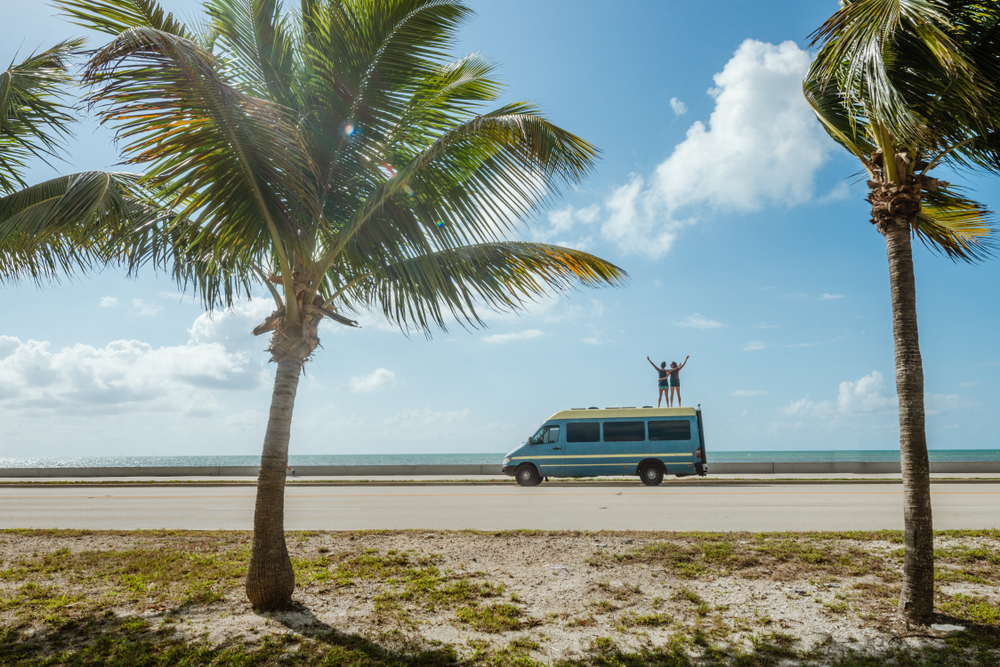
{"type": "Point", "coordinates": [408, 190]}
{"type": "Point", "coordinates": [440, 223]}
{"type": "Point", "coordinates": [349, 129]}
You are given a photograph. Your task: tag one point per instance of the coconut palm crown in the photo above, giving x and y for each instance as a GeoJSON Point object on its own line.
{"type": "Point", "coordinates": [70, 222]}
{"type": "Point", "coordinates": [336, 154]}
{"type": "Point", "coordinates": [907, 86]}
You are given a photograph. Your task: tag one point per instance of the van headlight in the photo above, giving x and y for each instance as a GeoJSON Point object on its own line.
{"type": "Point", "coordinates": [506, 460]}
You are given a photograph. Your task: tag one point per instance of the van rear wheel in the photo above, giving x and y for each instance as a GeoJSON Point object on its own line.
{"type": "Point", "coordinates": [651, 476]}
{"type": "Point", "coordinates": [527, 475]}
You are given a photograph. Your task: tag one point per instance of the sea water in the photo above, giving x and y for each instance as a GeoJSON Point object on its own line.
{"type": "Point", "coordinates": [471, 458]}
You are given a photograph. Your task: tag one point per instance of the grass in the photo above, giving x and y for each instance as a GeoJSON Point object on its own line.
{"type": "Point", "coordinates": [140, 606]}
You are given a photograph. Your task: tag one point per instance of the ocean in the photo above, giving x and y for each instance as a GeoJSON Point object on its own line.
{"type": "Point", "coordinates": [469, 459]}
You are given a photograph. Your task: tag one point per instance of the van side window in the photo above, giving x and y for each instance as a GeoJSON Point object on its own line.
{"type": "Point", "coordinates": [546, 435]}
{"type": "Point", "coordinates": [678, 429]}
{"type": "Point", "coordinates": [583, 432]}
{"type": "Point", "coordinates": [624, 431]}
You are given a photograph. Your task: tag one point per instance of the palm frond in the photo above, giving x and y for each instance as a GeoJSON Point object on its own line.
{"type": "Point", "coordinates": [470, 186]}
{"type": "Point", "coordinates": [418, 292]}
{"type": "Point", "coordinates": [874, 47]}
{"type": "Point", "coordinates": [114, 17]}
{"type": "Point", "coordinates": [169, 99]}
{"type": "Point", "coordinates": [956, 226]}
{"type": "Point", "coordinates": [33, 116]}
{"type": "Point", "coordinates": [260, 35]}
{"type": "Point", "coordinates": [69, 223]}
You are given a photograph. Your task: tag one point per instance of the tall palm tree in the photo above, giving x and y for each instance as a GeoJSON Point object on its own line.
{"type": "Point", "coordinates": [66, 223]}
{"type": "Point", "coordinates": [907, 86]}
{"type": "Point", "coordinates": [336, 155]}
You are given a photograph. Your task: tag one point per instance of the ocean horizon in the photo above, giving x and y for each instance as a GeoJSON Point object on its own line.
{"type": "Point", "coordinates": [470, 458]}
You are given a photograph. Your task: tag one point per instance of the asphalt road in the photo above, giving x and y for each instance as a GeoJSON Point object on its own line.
{"type": "Point", "coordinates": [754, 507]}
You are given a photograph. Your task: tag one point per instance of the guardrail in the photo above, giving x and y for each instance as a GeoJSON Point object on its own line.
{"type": "Point", "coordinates": [760, 468]}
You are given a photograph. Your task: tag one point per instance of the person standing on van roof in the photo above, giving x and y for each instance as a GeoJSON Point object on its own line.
{"type": "Point", "coordinates": [675, 382]}
{"type": "Point", "coordinates": [663, 383]}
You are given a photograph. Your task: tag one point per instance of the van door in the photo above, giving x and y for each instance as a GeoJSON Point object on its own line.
{"type": "Point", "coordinates": [624, 446]}
{"type": "Point", "coordinates": [545, 449]}
{"type": "Point", "coordinates": [583, 449]}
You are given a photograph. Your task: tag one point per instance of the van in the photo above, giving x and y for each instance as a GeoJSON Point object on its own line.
{"type": "Point", "coordinates": [586, 442]}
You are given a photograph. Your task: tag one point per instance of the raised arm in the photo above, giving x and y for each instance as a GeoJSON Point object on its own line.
{"type": "Point", "coordinates": [653, 365]}
{"type": "Point", "coordinates": [684, 363]}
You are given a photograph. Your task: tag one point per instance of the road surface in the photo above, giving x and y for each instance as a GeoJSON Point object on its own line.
{"type": "Point", "coordinates": [753, 507]}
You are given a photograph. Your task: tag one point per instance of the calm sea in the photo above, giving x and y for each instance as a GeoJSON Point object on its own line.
{"type": "Point", "coordinates": [477, 459]}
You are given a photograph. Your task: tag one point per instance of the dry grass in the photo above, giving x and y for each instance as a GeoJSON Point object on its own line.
{"type": "Point", "coordinates": [470, 598]}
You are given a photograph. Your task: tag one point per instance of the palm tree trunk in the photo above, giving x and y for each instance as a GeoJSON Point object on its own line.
{"type": "Point", "coordinates": [270, 578]}
{"type": "Point", "coordinates": [916, 601]}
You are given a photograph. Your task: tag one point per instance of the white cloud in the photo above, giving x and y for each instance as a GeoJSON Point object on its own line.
{"type": "Point", "coordinates": [500, 339]}
{"type": "Point", "coordinates": [233, 327]}
{"type": "Point", "coordinates": [840, 192]}
{"type": "Point", "coordinates": [865, 395]}
{"type": "Point", "coordinates": [109, 301]}
{"type": "Point", "coordinates": [762, 146]}
{"type": "Point", "coordinates": [827, 297]}
{"type": "Point", "coordinates": [748, 392]}
{"type": "Point", "coordinates": [755, 345]}
{"type": "Point", "coordinates": [679, 107]}
{"type": "Point", "coordinates": [803, 344]}
{"type": "Point", "coordinates": [124, 376]}
{"type": "Point", "coordinates": [699, 321]}
{"type": "Point", "coordinates": [380, 378]}
{"type": "Point", "coordinates": [145, 309]}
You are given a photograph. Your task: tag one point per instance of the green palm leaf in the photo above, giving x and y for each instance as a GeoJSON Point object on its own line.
{"type": "Point", "coordinates": [33, 118]}
{"type": "Point", "coordinates": [416, 293]}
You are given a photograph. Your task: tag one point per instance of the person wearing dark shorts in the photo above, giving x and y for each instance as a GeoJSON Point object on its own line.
{"type": "Point", "coordinates": [663, 383]}
{"type": "Point", "coordinates": [675, 382]}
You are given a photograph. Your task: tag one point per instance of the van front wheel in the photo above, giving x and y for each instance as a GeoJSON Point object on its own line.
{"type": "Point", "coordinates": [651, 475]}
{"type": "Point", "coordinates": [527, 475]}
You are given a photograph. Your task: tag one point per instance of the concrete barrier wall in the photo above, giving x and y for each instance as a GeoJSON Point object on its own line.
{"type": "Point", "coordinates": [759, 468]}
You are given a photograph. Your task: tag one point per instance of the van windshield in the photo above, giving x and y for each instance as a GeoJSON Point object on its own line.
{"type": "Point", "coordinates": [546, 435]}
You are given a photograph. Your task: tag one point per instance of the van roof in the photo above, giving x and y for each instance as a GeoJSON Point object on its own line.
{"type": "Point", "coordinates": [619, 413]}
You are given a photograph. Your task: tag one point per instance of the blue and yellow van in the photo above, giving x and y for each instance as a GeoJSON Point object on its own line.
{"type": "Point", "coordinates": [585, 442]}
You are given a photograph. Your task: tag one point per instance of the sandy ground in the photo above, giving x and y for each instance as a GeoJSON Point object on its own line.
{"type": "Point", "coordinates": [568, 590]}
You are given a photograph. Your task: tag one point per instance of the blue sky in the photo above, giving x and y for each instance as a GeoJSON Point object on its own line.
{"type": "Point", "coordinates": [742, 226]}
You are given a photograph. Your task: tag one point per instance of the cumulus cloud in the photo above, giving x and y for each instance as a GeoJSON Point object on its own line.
{"type": "Point", "coordinates": [232, 327]}
{"type": "Point", "coordinates": [109, 302]}
{"type": "Point", "coordinates": [125, 375]}
{"type": "Point", "coordinates": [699, 321]}
{"type": "Point", "coordinates": [762, 146]}
{"type": "Point", "coordinates": [866, 396]}
{"type": "Point", "coordinates": [748, 392]}
{"type": "Point", "coordinates": [145, 309]}
{"type": "Point", "coordinates": [755, 345]}
{"type": "Point", "coordinates": [679, 107]}
{"type": "Point", "coordinates": [380, 378]}
{"type": "Point", "coordinates": [500, 339]}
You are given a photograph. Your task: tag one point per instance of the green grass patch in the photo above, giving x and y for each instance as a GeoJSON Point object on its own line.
{"type": "Point", "coordinates": [496, 618]}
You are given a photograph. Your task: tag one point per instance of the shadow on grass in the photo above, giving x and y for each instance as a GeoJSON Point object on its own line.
{"type": "Point", "coordinates": [107, 639]}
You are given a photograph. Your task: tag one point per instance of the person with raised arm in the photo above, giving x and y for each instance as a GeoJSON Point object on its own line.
{"type": "Point", "coordinates": [675, 382]}
{"type": "Point", "coordinates": [663, 383]}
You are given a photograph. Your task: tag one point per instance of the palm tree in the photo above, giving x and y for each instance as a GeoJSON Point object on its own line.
{"type": "Point", "coordinates": [336, 155]}
{"type": "Point", "coordinates": [66, 223]}
{"type": "Point", "coordinates": [906, 86]}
